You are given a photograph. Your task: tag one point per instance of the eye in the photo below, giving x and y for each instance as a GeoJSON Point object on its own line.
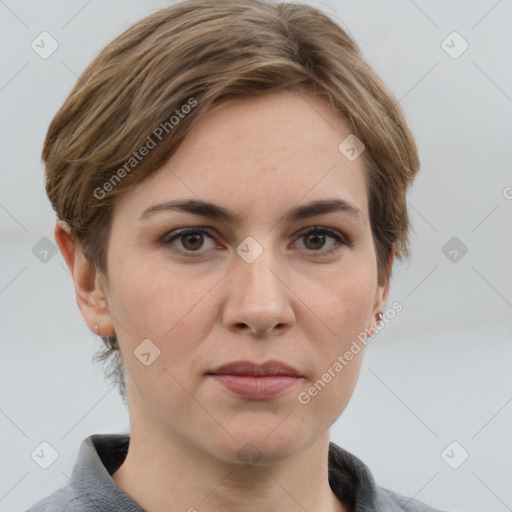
{"type": "Point", "coordinates": [192, 239]}
{"type": "Point", "coordinates": [315, 239]}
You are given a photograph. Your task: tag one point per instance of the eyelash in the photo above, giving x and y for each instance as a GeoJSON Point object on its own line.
{"type": "Point", "coordinates": [167, 241]}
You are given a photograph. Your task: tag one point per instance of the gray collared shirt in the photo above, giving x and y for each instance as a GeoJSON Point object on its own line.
{"type": "Point", "coordinates": [92, 488]}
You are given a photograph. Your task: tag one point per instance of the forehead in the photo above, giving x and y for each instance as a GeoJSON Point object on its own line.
{"type": "Point", "coordinates": [259, 154]}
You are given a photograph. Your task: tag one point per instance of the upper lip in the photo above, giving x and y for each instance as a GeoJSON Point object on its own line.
{"type": "Point", "coordinates": [272, 367]}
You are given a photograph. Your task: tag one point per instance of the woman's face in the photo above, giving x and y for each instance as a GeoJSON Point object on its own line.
{"type": "Point", "coordinates": [257, 287]}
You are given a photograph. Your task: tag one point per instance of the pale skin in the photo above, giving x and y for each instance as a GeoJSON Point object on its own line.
{"type": "Point", "coordinates": [303, 301]}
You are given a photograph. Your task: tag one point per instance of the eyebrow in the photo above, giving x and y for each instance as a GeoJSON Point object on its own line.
{"type": "Point", "coordinates": [213, 211]}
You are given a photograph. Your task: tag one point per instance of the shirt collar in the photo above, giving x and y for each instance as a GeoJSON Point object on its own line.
{"type": "Point", "coordinates": [100, 456]}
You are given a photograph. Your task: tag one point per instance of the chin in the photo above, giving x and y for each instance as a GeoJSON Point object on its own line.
{"type": "Point", "coordinates": [260, 452]}
{"type": "Point", "coordinates": [251, 445]}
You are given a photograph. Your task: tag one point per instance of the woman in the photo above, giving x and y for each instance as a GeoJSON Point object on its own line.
{"type": "Point", "coordinates": [230, 183]}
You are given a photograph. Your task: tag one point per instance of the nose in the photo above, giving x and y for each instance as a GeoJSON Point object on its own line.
{"type": "Point", "coordinates": [258, 299]}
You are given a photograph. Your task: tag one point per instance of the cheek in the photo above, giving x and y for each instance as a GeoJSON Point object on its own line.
{"type": "Point", "coordinates": [172, 309]}
{"type": "Point", "coordinates": [149, 297]}
{"type": "Point", "coordinates": [345, 302]}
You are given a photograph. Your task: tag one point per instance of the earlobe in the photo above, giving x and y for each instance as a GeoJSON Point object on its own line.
{"type": "Point", "coordinates": [90, 293]}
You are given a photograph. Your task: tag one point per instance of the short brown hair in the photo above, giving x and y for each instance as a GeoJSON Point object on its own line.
{"type": "Point", "coordinates": [201, 53]}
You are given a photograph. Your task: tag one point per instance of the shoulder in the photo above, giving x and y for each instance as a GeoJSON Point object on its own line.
{"type": "Point", "coordinates": [352, 481]}
{"type": "Point", "coordinates": [85, 480]}
{"type": "Point", "coordinates": [390, 501]}
{"type": "Point", "coordinates": [59, 501]}
{"type": "Point", "coordinates": [90, 487]}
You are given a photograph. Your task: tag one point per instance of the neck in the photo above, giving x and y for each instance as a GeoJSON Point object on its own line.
{"type": "Point", "coordinates": [164, 473]}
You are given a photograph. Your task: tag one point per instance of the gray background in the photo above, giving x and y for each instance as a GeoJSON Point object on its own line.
{"type": "Point", "coordinates": [438, 373]}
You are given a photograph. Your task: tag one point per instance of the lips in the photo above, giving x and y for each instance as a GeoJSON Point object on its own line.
{"type": "Point", "coordinates": [270, 368]}
{"type": "Point", "coordinates": [254, 381]}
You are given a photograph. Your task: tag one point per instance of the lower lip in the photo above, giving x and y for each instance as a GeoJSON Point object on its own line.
{"type": "Point", "coordinates": [257, 388]}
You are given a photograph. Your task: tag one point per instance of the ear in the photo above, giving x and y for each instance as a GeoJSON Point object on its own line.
{"type": "Point", "coordinates": [381, 295]}
{"type": "Point", "coordinates": [90, 289]}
